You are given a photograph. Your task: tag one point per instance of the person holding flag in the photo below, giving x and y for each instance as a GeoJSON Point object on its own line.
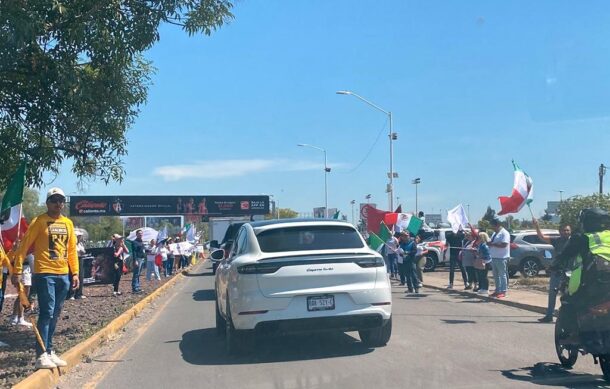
{"type": "Point", "coordinates": [54, 241]}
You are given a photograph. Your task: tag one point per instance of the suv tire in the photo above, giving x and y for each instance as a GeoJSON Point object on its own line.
{"type": "Point", "coordinates": [377, 337]}
{"type": "Point", "coordinates": [530, 267]}
{"type": "Point", "coordinates": [431, 262]}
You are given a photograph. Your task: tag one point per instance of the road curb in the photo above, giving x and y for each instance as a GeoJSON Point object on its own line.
{"type": "Point", "coordinates": [46, 378]}
{"type": "Point", "coordinates": [514, 304]}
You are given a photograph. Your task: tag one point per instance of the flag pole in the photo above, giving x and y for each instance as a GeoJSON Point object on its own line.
{"type": "Point", "coordinates": [531, 213]}
{"type": "Point", "coordinates": [19, 221]}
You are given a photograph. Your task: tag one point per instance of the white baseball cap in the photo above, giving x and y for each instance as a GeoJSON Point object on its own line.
{"type": "Point", "coordinates": [55, 191]}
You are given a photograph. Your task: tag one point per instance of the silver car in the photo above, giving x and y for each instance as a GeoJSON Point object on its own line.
{"type": "Point", "coordinates": [530, 254]}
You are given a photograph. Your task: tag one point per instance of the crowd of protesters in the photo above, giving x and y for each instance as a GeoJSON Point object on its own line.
{"type": "Point", "coordinates": [46, 268]}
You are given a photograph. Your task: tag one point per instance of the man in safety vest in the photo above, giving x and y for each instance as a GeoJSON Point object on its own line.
{"type": "Point", "coordinates": [589, 254]}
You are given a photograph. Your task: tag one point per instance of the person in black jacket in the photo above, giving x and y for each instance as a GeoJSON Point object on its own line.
{"type": "Point", "coordinates": [454, 240]}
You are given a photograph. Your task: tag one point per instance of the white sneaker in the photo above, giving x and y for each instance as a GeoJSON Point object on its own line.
{"type": "Point", "coordinates": [82, 297]}
{"type": "Point", "coordinates": [57, 360]}
{"type": "Point", "coordinates": [44, 362]}
{"type": "Point", "coordinates": [450, 286]}
{"type": "Point", "coordinates": [72, 298]}
{"type": "Point", "coordinates": [114, 294]}
{"type": "Point", "coordinates": [23, 322]}
{"type": "Point", "coordinates": [483, 292]}
{"type": "Point", "coordinates": [14, 320]}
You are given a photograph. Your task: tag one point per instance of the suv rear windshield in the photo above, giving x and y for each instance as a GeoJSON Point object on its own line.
{"type": "Point", "coordinates": [309, 238]}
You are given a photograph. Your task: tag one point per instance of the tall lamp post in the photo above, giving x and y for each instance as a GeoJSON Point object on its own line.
{"type": "Point", "coordinates": [392, 135]}
{"type": "Point", "coordinates": [416, 182]}
{"type": "Point", "coordinates": [326, 171]}
{"type": "Point", "coordinates": [353, 202]}
{"type": "Point", "coordinates": [560, 194]}
{"type": "Point", "coordinates": [368, 198]}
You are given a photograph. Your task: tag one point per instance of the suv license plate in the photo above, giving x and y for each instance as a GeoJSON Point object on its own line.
{"type": "Point", "coordinates": [321, 303]}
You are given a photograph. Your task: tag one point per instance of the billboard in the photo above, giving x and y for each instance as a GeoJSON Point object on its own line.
{"type": "Point", "coordinates": [198, 206]}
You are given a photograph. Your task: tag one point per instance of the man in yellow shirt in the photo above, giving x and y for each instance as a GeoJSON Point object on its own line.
{"type": "Point", "coordinates": [4, 262]}
{"type": "Point", "coordinates": [52, 236]}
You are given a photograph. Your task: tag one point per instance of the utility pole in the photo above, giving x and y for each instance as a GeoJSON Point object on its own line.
{"type": "Point", "coordinates": [353, 202]}
{"type": "Point", "coordinates": [602, 172]}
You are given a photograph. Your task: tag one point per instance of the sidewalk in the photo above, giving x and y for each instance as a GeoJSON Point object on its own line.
{"type": "Point", "coordinates": [531, 300]}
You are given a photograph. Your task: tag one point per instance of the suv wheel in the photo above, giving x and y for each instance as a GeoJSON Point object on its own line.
{"type": "Point", "coordinates": [530, 267]}
{"type": "Point", "coordinates": [377, 337]}
{"type": "Point", "coordinates": [221, 323]}
{"type": "Point", "coordinates": [431, 262]}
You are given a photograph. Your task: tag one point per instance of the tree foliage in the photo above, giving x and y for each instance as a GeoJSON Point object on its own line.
{"type": "Point", "coordinates": [72, 78]}
{"type": "Point", "coordinates": [570, 209]}
{"type": "Point", "coordinates": [100, 228]}
{"type": "Point", "coordinates": [285, 213]}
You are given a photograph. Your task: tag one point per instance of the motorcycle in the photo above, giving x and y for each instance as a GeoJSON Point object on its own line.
{"type": "Point", "coordinates": [591, 337]}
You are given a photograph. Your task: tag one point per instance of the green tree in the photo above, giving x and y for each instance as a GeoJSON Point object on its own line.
{"type": "Point", "coordinates": [100, 228]}
{"type": "Point", "coordinates": [570, 209]}
{"type": "Point", "coordinates": [285, 213]}
{"type": "Point", "coordinates": [72, 78]}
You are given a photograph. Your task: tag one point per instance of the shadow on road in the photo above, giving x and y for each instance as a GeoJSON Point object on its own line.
{"type": "Point", "coordinates": [205, 347]}
{"type": "Point", "coordinates": [553, 374]}
{"type": "Point", "coordinates": [204, 295]}
{"type": "Point", "coordinates": [457, 321]}
{"type": "Point", "coordinates": [204, 274]}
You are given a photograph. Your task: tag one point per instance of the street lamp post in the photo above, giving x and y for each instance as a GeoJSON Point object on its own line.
{"type": "Point", "coordinates": [353, 202]}
{"type": "Point", "coordinates": [392, 137]}
{"type": "Point", "coordinates": [560, 194]}
{"type": "Point", "coordinates": [416, 182]}
{"type": "Point", "coordinates": [326, 171]}
{"type": "Point", "coordinates": [368, 198]}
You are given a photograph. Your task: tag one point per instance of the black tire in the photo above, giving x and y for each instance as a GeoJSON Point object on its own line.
{"type": "Point", "coordinates": [604, 362]}
{"type": "Point", "coordinates": [530, 267]}
{"type": "Point", "coordinates": [221, 323]}
{"type": "Point", "coordinates": [236, 341]}
{"type": "Point", "coordinates": [512, 272]}
{"type": "Point", "coordinates": [431, 263]}
{"type": "Point", "coordinates": [567, 355]}
{"type": "Point", "coordinates": [377, 337]}
{"type": "Point", "coordinates": [214, 267]}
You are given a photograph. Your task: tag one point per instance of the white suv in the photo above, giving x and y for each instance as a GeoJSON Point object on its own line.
{"type": "Point", "coordinates": [302, 275]}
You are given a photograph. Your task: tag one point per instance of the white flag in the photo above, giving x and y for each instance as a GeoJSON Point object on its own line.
{"type": "Point", "coordinates": [457, 218]}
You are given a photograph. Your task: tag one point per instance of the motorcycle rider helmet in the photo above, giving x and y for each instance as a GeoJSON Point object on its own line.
{"type": "Point", "coordinates": [594, 220]}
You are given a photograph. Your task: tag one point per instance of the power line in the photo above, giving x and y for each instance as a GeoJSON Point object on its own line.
{"type": "Point", "coordinates": [368, 153]}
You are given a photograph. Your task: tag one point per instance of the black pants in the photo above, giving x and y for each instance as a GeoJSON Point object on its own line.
{"type": "Point", "coordinates": [453, 261]}
{"type": "Point", "coordinates": [472, 274]}
{"type": "Point", "coordinates": [117, 274]}
{"type": "Point", "coordinates": [482, 278]}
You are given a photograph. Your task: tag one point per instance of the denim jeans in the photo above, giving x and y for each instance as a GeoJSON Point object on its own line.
{"type": "Point", "coordinates": [170, 265]}
{"type": "Point", "coordinates": [410, 274]}
{"type": "Point", "coordinates": [554, 283]}
{"type": "Point", "coordinates": [52, 290]}
{"type": "Point", "coordinates": [151, 269]}
{"type": "Point", "coordinates": [135, 280]}
{"type": "Point", "coordinates": [482, 277]}
{"type": "Point", "coordinates": [392, 264]}
{"type": "Point", "coordinates": [499, 268]}
{"type": "Point", "coordinates": [3, 288]}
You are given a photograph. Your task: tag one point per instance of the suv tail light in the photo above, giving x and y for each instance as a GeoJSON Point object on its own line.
{"type": "Point", "coordinates": [258, 268]}
{"type": "Point", "coordinates": [370, 262]}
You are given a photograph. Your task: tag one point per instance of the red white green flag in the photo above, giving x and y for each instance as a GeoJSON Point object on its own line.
{"type": "Point", "coordinates": [11, 216]}
{"type": "Point", "coordinates": [523, 193]}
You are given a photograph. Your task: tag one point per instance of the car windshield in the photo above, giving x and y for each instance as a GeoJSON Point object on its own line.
{"type": "Point", "coordinates": [308, 238]}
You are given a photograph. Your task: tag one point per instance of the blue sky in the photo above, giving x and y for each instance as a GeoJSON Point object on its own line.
{"type": "Point", "coordinates": [471, 84]}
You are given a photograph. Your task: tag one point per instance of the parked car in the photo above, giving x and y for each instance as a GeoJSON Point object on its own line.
{"type": "Point", "coordinates": [529, 254]}
{"type": "Point", "coordinates": [435, 242]}
{"type": "Point", "coordinates": [297, 275]}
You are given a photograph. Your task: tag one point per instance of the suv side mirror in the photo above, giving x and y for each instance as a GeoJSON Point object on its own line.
{"type": "Point", "coordinates": [218, 255]}
{"type": "Point", "coordinates": [214, 244]}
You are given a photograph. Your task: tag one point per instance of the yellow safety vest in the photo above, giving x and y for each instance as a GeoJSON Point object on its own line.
{"type": "Point", "coordinates": [599, 245]}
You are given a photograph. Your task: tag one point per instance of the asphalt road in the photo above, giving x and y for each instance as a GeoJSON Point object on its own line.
{"type": "Point", "coordinates": [438, 340]}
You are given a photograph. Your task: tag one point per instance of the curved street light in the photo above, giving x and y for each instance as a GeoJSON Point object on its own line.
{"type": "Point", "coordinates": [391, 135]}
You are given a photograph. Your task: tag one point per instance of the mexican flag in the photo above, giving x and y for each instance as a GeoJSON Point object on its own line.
{"type": "Point", "coordinates": [375, 242]}
{"type": "Point", "coordinates": [523, 193]}
{"type": "Point", "coordinates": [404, 221]}
{"type": "Point", "coordinates": [11, 215]}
